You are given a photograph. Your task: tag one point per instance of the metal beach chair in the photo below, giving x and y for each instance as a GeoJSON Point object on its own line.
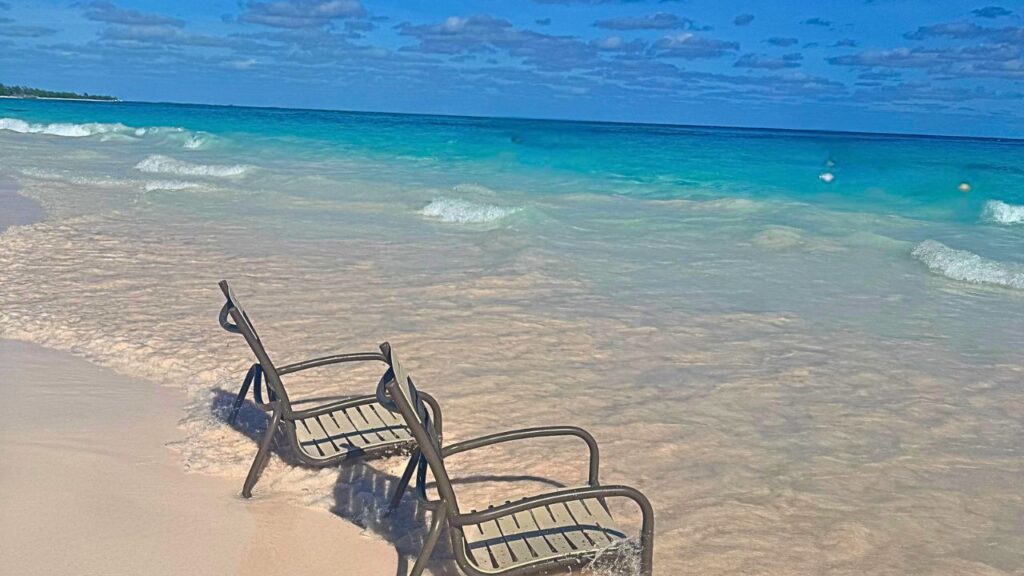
{"type": "Point", "coordinates": [324, 435]}
{"type": "Point", "coordinates": [554, 532]}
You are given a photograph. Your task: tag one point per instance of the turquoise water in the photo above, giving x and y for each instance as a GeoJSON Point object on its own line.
{"type": "Point", "coordinates": [812, 329]}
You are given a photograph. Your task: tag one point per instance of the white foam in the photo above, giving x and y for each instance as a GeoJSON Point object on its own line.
{"type": "Point", "coordinates": [968, 266]}
{"type": "Point", "coordinates": [62, 129]}
{"type": "Point", "coordinates": [454, 210]}
{"type": "Point", "coordinates": [159, 164]}
{"type": "Point", "coordinates": [1000, 212]}
{"type": "Point", "coordinates": [171, 185]}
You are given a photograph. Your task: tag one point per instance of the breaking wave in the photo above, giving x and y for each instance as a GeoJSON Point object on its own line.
{"type": "Point", "coordinates": [457, 211]}
{"type": "Point", "coordinates": [1002, 213]}
{"type": "Point", "coordinates": [159, 164]}
{"type": "Point", "coordinates": [968, 266]}
{"type": "Point", "coordinates": [62, 129]}
{"type": "Point", "coordinates": [152, 185]}
{"type": "Point", "coordinates": [188, 139]}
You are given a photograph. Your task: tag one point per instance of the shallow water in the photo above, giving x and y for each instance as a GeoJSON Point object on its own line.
{"type": "Point", "coordinates": [805, 377]}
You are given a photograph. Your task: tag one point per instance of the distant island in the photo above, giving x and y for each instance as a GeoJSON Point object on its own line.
{"type": "Point", "coordinates": [26, 92]}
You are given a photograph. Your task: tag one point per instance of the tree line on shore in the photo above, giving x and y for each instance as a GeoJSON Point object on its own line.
{"type": "Point", "coordinates": [27, 92]}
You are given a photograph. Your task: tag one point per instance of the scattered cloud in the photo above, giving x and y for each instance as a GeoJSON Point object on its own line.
{"type": "Point", "coordinates": [26, 31]}
{"type": "Point", "coordinates": [991, 12]}
{"type": "Point", "coordinates": [104, 11]}
{"type": "Point", "coordinates": [743, 19]}
{"type": "Point", "coordinates": [817, 21]}
{"type": "Point", "coordinates": [5, 6]}
{"type": "Point", "coordinates": [298, 14]}
{"type": "Point", "coordinates": [782, 42]}
{"type": "Point", "coordinates": [846, 43]}
{"type": "Point", "coordinates": [542, 21]}
{"type": "Point", "coordinates": [690, 46]}
{"type": "Point", "coordinates": [768, 62]}
{"type": "Point", "coordinates": [968, 30]}
{"type": "Point", "coordinates": [659, 21]}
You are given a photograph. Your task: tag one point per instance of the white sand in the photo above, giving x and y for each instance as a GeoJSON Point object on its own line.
{"type": "Point", "coordinates": [87, 486]}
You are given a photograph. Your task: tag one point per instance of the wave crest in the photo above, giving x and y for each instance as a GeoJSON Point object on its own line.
{"type": "Point", "coordinates": [159, 164]}
{"type": "Point", "coordinates": [454, 210]}
{"type": "Point", "coordinates": [1000, 212]}
{"type": "Point", "coordinates": [968, 266]}
{"type": "Point", "coordinates": [168, 185]}
{"type": "Point", "coordinates": [62, 129]}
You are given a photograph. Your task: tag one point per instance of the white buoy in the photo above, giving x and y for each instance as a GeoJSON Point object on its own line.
{"type": "Point", "coordinates": [964, 187]}
{"type": "Point", "coordinates": [827, 177]}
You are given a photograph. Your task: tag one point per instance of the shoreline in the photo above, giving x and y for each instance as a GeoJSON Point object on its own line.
{"type": "Point", "coordinates": [99, 478]}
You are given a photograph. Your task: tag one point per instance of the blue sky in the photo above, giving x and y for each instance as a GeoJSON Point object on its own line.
{"type": "Point", "coordinates": [939, 67]}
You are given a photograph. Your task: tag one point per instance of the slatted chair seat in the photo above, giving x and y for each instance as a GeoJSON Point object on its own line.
{"type": "Point", "coordinates": [324, 435]}
{"type": "Point", "coordinates": [369, 427]}
{"type": "Point", "coordinates": [549, 533]}
{"type": "Point", "coordinates": [577, 528]}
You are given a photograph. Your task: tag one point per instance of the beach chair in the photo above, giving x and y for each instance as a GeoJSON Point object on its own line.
{"type": "Point", "coordinates": [320, 436]}
{"type": "Point", "coordinates": [558, 531]}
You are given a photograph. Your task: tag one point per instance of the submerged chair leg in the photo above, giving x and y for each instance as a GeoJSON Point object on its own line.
{"type": "Point", "coordinates": [396, 498]}
{"type": "Point", "coordinates": [261, 455]}
{"type": "Point", "coordinates": [436, 525]}
{"type": "Point", "coordinates": [241, 394]}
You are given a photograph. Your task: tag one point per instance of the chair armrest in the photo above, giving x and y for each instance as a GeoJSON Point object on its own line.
{"type": "Point", "coordinates": [333, 359]}
{"type": "Point", "coordinates": [329, 407]}
{"type": "Point", "coordinates": [525, 433]}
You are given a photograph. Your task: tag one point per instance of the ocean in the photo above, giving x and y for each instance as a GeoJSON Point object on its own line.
{"type": "Point", "coordinates": [805, 347]}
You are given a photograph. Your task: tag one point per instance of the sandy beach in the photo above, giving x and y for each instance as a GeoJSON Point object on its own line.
{"type": "Point", "coordinates": [88, 485]}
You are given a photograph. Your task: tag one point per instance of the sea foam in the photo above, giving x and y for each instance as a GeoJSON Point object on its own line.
{"type": "Point", "coordinates": [62, 129]}
{"type": "Point", "coordinates": [454, 210]}
{"type": "Point", "coordinates": [159, 164]}
{"type": "Point", "coordinates": [1000, 212]}
{"type": "Point", "coordinates": [152, 185]}
{"type": "Point", "coordinates": [968, 266]}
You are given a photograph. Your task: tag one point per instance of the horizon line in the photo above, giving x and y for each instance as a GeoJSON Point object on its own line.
{"type": "Point", "coordinates": [561, 120]}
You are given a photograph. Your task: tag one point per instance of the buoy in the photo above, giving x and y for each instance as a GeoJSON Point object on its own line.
{"type": "Point", "coordinates": [827, 177]}
{"type": "Point", "coordinates": [964, 187]}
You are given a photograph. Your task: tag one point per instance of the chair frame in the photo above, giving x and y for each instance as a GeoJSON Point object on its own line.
{"type": "Point", "coordinates": [400, 394]}
{"type": "Point", "coordinates": [282, 415]}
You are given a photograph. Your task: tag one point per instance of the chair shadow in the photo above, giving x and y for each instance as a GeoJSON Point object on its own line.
{"type": "Point", "coordinates": [361, 493]}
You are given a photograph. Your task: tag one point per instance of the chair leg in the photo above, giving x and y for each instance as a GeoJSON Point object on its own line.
{"type": "Point", "coordinates": [396, 498]}
{"type": "Point", "coordinates": [241, 395]}
{"type": "Point", "coordinates": [436, 525]}
{"type": "Point", "coordinates": [261, 455]}
{"type": "Point", "coordinates": [421, 477]}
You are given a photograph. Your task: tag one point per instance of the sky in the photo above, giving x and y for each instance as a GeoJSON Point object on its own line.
{"type": "Point", "coordinates": [908, 66]}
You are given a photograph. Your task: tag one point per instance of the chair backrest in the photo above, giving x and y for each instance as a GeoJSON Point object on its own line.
{"type": "Point", "coordinates": [403, 398]}
{"type": "Point", "coordinates": [234, 309]}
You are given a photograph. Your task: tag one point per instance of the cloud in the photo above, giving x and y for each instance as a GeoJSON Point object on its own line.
{"type": "Point", "coordinates": [769, 63]}
{"type": "Point", "coordinates": [817, 21]}
{"type": "Point", "coordinates": [617, 44]}
{"type": "Point", "coordinates": [26, 31]}
{"type": "Point", "coordinates": [690, 46]}
{"type": "Point", "coordinates": [991, 12]}
{"type": "Point", "coordinates": [659, 21]}
{"type": "Point", "coordinates": [297, 14]}
{"type": "Point", "coordinates": [542, 21]}
{"type": "Point", "coordinates": [968, 30]}
{"type": "Point", "coordinates": [5, 6]}
{"type": "Point", "coordinates": [743, 19]}
{"type": "Point", "coordinates": [782, 42]}
{"type": "Point", "coordinates": [985, 60]}
{"type": "Point", "coordinates": [846, 43]}
{"type": "Point", "coordinates": [104, 11]}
